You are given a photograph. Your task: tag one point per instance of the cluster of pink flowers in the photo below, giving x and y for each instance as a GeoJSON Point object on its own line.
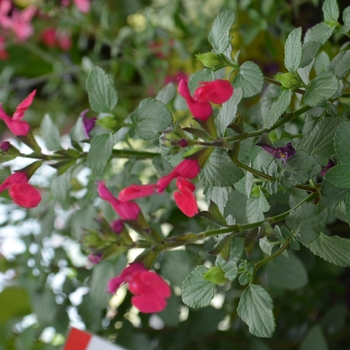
{"type": "Point", "coordinates": [54, 38]}
{"type": "Point", "coordinates": [20, 191]}
{"type": "Point", "coordinates": [148, 288]}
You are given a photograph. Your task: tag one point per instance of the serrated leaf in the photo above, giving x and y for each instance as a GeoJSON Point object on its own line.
{"type": "Point", "coordinates": [256, 207]}
{"type": "Point", "coordinates": [310, 50]}
{"type": "Point", "coordinates": [347, 207]}
{"type": "Point", "coordinates": [197, 291]}
{"type": "Point", "coordinates": [255, 309]}
{"type": "Point", "coordinates": [340, 64]}
{"type": "Point", "coordinates": [320, 141]}
{"type": "Point", "coordinates": [249, 78]}
{"type": "Point", "coordinates": [220, 171]}
{"type": "Point", "coordinates": [307, 222]}
{"type": "Point", "coordinates": [320, 32]}
{"type": "Point", "coordinates": [346, 16]}
{"type": "Point", "coordinates": [333, 249]}
{"type": "Point", "coordinates": [266, 246]}
{"type": "Point", "coordinates": [102, 94]}
{"type": "Point", "coordinates": [339, 176]}
{"type": "Point", "coordinates": [50, 133]}
{"type": "Point", "coordinates": [324, 86]}
{"type": "Point", "coordinates": [228, 112]}
{"type": "Point", "coordinates": [167, 93]}
{"type": "Point", "coordinates": [330, 10]}
{"type": "Point", "coordinates": [286, 273]}
{"type": "Point", "coordinates": [230, 266]}
{"type": "Point", "coordinates": [278, 107]}
{"type": "Point", "coordinates": [314, 340]}
{"type": "Point", "coordinates": [219, 195]}
{"type": "Point", "coordinates": [219, 36]}
{"type": "Point", "coordinates": [100, 152]}
{"type": "Point", "coordinates": [150, 118]}
{"type": "Point", "coordinates": [293, 50]}
{"type": "Point", "coordinates": [342, 142]}
{"type": "Point", "coordinates": [101, 274]}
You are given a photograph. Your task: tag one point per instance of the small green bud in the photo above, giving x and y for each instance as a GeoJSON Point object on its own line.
{"type": "Point", "coordinates": [108, 122]}
{"type": "Point", "coordinates": [211, 60]}
{"type": "Point", "coordinates": [175, 139]}
{"type": "Point", "coordinates": [288, 80]}
{"type": "Point", "coordinates": [215, 275]}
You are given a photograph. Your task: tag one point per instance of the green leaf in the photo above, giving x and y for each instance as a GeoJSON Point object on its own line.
{"type": "Point", "coordinates": [256, 207]}
{"type": "Point", "coordinates": [320, 141]}
{"type": "Point", "coordinates": [278, 107]}
{"type": "Point", "coordinates": [339, 176]}
{"type": "Point", "coordinates": [340, 64]}
{"type": "Point", "coordinates": [198, 77]}
{"type": "Point", "coordinates": [330, 10]}
{"type": "Point", "coordinates": [255, 309]}
{"type": "Point", "coordinates": [346, 16]}
{"type": "Point", "coordinates": [219, 36]}
{"type": "Point", "coordinates": [347, 207]}
{"type": "Point", "coordinates": [230, 266]}
{"type": "Point", "coordinates": [342, 142]}
{"type": "Point", "coordinates": [307, 221]}
{"type": "Point", "coordinates": [101, 92]}
{"type": "Point", "coordinates": [286, 273]}
{"type": "Point", "coordinates": [100, 152]}
{"type": "Point", "coordinates": [228, 112]}
{"type": "Point", "coordinates": [219, 195]}
{"type": "Point", "coordinates": [266, 246]}
{"type": "Point", "coordinates": [334, 320]}
{"type": "Point", "coordinates": [150, 118]}
{"type": "Point", "coordinates": [333, 249]}
{"type": "Point", "coordinates": [293, 50]}
{"type": "Point", "coordinates": [300, 168]}
{"type": "Point", "coordinates": [310, 50]}
{"type": "Point", "coordinates": [249, 78]}
{"type": "Point", "coordinates": [320, 32]}
{"type": "Point", "coordinates": [220, 171]}
{"type": "Point", "coordinates": [324, 86]}
{"type": "Point", "coordinates": [101, 274]}
{"type": "Point", "coordinates": [197, 291]}
{"type": "Point", "coordinates": [314, 340]}
{"type": "Point", "coordinates": [166, 94]}
{"type": "Point", "coordinates": [50, 133]}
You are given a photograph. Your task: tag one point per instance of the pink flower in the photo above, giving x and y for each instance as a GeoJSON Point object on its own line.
{"type": "Point", "coordinates": [149, 289]}
{"type": "Point", "coordinates": [20, 191]}
{"type": "Point", "coordinates": [48, 37]}
{"type": "Point", "coordinates": [217, 91]}
{"type": "Point", "coordinates": [126, 210]}
{"type": "Point", "coordinates": [136, 191]}
{"type": "Point", "coordinates": [82, 5]}
{"type": "Point", "coordinates": [185, 199]}
{"type": "Point", "coordinates": [15, 124]}
{"type": "Point", "coordinates": [21, 25]}
{"type": "Point", "coordinates": [188, 168]}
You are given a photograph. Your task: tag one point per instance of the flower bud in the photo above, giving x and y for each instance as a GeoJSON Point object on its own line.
{"type": "Point", "coordinates": [215, 275]}
{"type": "Point", "coordinates": [211, 60]}
{"type": "Point", "coordinates": [288, 80]}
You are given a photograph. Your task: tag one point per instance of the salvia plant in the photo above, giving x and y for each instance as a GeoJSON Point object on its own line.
{"type": "Point", "coordinates": [266, 180]}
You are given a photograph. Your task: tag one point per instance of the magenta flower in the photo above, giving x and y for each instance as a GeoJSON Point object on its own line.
{"type": "Point", "coordinates": [185, 199]}
{"type": "Point", "coordinates": [126, 210]}
{"type": "Point", "coordinates": [88, 123]}
{"type": "Point", "coordinates": [15, 124]}
{"type": "Point", "coordinates": [188, 168]}
{"type": "Point", "coordinates": [283, 153]}
{"type": "Point", "coordinates": [217, 91]}
{"type": "Point", "coordinates": [149, 289]}
{"type": "Point", "coordinates": [136, 191]}
{"type": "Point", "coordinates": [20, 191]}
{"type": "Point", "coordinates": [117, 226]}
{"type": "Point", "coordinates": [95, 258]}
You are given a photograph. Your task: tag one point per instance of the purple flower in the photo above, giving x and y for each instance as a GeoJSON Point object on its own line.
{"type": "Point", "coordinates": [88, 123]}
{"type": "Point", "coordinates": [282, 153]}
{"type": "Point", "coordinates": [329, 165]}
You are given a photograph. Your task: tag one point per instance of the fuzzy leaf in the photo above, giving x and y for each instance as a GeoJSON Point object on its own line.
{"type": "Point", "coordinates": [293, 50]}
{"type": "Point", "coordinates": [249, 78]}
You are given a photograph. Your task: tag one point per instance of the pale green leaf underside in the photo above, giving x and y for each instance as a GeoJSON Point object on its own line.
{"type": "Point", "coordinates": [293, 50]}
{"type": "Point", "coordinates": [249, 78]}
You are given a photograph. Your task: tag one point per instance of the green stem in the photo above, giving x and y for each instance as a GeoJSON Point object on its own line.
{"type": "Point", "coordinates": [273, 255]}
{"type": "Point", "coordinates": [255, 172]}
{"type": "Point", "coordinates": [126, 153]}
{"type": "Point", "coordinates": [276, 82]}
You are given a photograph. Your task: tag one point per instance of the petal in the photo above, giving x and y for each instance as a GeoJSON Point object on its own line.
{"type": "Point", "coordinates": [149, 303]}
{"type": "Point", "coordinates": [136, 191]}
{"type": "Point", "coordinates": [17, 177]}
{"type": "Point", "coordinates": [186, 202]}
{"type": "Point", "coordinates": [83, 5]}
{"type": "Point", "coordinates": [148, 282]}
{"type": "Point", "coordinates": [23, 106]}
{"type": "Point", "coordinates": [24, 195]}
{"type": "Point", "coordinates": [183, 184]}
{"type": "Point", "coordinates": [217, 91]}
